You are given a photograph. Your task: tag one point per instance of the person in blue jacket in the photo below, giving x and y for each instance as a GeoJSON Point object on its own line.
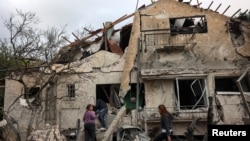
{"type": "Point", "coordinates": [102, 110]}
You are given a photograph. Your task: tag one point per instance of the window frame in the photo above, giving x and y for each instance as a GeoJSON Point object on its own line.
{"type": "Point", "coordinates": [204, 95]}
{"type": "Point", "coordinates": [236, 77]}
{"type": "Point", "coordinates": [189, 29]}
{"type": "Point", "coordinates": [71, 91]}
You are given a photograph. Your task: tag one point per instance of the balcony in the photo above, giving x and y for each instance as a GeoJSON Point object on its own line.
{"type": "Point", "coordinates": [169, 39]}
{"type": "Point", "coordinates": [152, 114]}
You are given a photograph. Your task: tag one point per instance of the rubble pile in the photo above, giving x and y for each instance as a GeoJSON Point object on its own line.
{"type": "Point", "coordinates": [50, 133]}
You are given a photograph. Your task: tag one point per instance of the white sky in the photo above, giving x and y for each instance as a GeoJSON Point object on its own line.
{"type": "Point", "coordinates": [80, 13]}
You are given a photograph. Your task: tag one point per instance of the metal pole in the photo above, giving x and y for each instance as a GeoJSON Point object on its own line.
{"type": "Point", "coordinates": [78, 128]}
{"type": "Point", "coordinates": [138, 82]}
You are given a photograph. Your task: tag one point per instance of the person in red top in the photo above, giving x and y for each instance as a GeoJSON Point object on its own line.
{"type": "Point", "coordinates": [89, 123]}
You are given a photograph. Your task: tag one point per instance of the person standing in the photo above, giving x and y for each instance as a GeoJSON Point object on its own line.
{"type": "Point", "coordinates": [89, 123]}
{"type": "Point", "coordinates": [166, 124]}
{"type": "Point", "coordinates": [102, 110]}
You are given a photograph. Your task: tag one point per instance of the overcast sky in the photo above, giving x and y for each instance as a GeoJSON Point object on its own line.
{"type": "Point", "coordinates": [80, 13]}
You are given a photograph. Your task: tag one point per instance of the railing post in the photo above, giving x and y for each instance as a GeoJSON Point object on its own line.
{"type": "Point", "coordinates": [210, 111]}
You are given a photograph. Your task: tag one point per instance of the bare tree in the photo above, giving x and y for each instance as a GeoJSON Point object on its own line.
{"type": "Point", "coordinates": [32, 50]}
{"type": "Point", "coordinates": [53, 40]}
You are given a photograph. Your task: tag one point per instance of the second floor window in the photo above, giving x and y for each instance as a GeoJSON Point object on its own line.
{"type": "Point", "coordinates": [71, 90]}
{"type": "Point", "coordinates": [188, 25]}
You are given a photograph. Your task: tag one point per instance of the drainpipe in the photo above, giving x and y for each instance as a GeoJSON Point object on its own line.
{"type": "Point", "coordinates": [138, 82]}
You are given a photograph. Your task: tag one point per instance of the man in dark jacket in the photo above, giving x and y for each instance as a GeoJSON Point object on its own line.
{"type": "Point", "coordinates": [102, 109]}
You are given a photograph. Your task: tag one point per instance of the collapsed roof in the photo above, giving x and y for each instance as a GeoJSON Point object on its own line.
{"type": "Point", "coordinates": [106, 38]}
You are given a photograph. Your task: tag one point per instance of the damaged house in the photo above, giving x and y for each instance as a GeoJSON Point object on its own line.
{"type": "Point", "coordinates": [188, 58]}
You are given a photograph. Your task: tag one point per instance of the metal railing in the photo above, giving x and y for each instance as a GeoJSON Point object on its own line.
{"type": "Point", "coordinates": [168, 37]}
{"type": "Point", "coordinates": [187, 114]}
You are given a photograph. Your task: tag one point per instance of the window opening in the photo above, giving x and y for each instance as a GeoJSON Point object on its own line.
{"type": "Point", "coordinates": [71, 90]}
{"type": "Point", "coordinates": [191, 93]}
{"type": "Point", "coordinates": [31, 92]}
{"type": "Point", "coordinates": [130, 97]}
{"type": "Point", "coordinates": [188, 25]}
{"type": "Point", "coordinates": [228, 84]}
{"type": "Point", "coordinates": [110, 94]}
{"type": "Point", "coordinates": [103, 92]}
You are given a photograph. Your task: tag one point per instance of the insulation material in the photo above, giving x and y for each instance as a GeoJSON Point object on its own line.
{"type": "Point", "coordinates": [23, 101]}
{"type": "Point", "coordinates": [3, 123]}
{"type": "Point", "coordinates": [114, 47]}
{"type": "Point", "coordinates": [179, 23]}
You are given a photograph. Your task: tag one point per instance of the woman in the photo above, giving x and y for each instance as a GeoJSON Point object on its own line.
{"type": "Point", "coordinates": [89, 123]}
{"type": "Point", "coordinates": [166, 124]}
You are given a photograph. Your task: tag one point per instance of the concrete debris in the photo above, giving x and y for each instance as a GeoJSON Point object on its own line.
{"type": "Point", "coordinates": [3, 123]}
{"type": "Point", "coordinates": [50, 133]}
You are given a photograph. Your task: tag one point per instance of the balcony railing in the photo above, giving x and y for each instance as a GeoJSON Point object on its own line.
{"type": "Point", "coordinates": [169, 39]}
{"type": "Point", "coordinates": [187, 114]}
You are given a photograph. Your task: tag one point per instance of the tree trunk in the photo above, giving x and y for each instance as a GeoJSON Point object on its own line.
{"type": "Point", "coordinates": [31, 121]}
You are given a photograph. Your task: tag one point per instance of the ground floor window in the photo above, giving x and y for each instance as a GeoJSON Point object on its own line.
{"type": "Point", "coordinates": [30, 94]}
{"type": "Point", "coordinates": [71, 90]}
{"type": "Point", "coordinates": [110, 94]}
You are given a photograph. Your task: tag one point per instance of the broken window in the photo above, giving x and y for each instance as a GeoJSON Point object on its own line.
{"type": "Point", "coordinates": [227, 85]}
{"type": "Point", "coordinates": [30, 94]}
{"type": "Point", "coordinates": [71, 90]}
{"type": "Point", "coordinates": [130, 97]}
{"type": "Point", "coordinates": [188, 25]}
{"type": "Point", "coordinates": [110, 94]}
{"type": "Point", "coordinates": [190, 93]}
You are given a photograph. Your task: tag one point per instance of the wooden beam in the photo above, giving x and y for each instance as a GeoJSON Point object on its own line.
{"type": "Point", "coordinates": [245, 12]}
{"type": "Point", "coordinates": [218, 7]}
{"type": "Point", "coordinates": [77, 43]}
{"type": "Point", "coordinates": [235, 13]}
{"type": "Point", "coordinates": [75, 36]}
{"type": "Point", "coordinates": [66, 39]}
{"type": "Point", "coordinates": [115, 124]}
{"type": "Point", "coordinates": [198, 3]}
{"type": "Point", "coordinates": [226, 10]}
{"type": "Point", "coordinates": [107, 96]}
{"type": "Point", "coordinates": [210, 5]}
{"type": "Point", "coordinates": [90, 32]}
{"type": "Point", "coordinates": [105, 27]}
